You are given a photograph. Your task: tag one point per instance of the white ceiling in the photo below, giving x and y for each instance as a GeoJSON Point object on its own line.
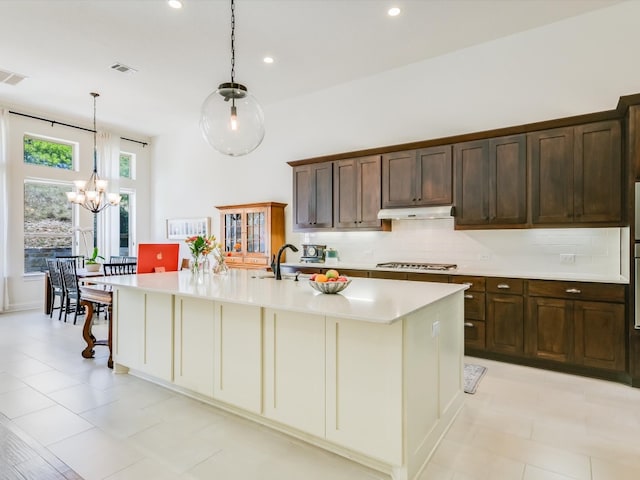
{"type": "Point", "coordinates": [66, 48]}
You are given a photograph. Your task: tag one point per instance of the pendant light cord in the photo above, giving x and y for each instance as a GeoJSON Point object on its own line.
{"type": "Point", "coordinates": [95, 147]}
{"type": "Point", "coordinates": [233, 41]}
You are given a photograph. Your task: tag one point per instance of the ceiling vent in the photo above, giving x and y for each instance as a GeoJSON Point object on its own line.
{"type": "Point", "coordinates": [10, 78]}
{"type": "Point", "coordinates": [122, 68]}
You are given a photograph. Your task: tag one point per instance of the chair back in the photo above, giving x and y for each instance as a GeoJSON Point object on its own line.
{"type": "Point", "coordinates": [118, 268]}
{"type": "Point", "coordinates": [122, 259]}
{"type": "Point", "coordinates": [55, 275]}
{"type": "Point", "coordinates": [69, 277]}
{"type": "Point", "coordinates": [78, 259]}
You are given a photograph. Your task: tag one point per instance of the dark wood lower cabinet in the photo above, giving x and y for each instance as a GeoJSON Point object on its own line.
{"type": "Point", "coordinates": [599, 335]}
{"type": "Point", "coordinates": [549, 329]}
{"type": "Point", "coordinates": [505, 324]}
{"type": "Point", "coordinates": [474, 334]}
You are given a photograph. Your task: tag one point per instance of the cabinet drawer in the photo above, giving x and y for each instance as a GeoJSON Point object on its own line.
{"type": "Point", "coordinates": [256, 260]}
{"type": "Point", "coordinates": [474, 334]}
{"type": "Point", "coordinates": [473, 305]}
{"type": "Point", "coordinates": [505, 285]}
{"type": "Point", "coordinates": [388, 275]}
{"type": "Point", "coordinates": [233, 259]}
{"type": "Point", "coordinates": [353, 272]}
{"type": "Point", "coordinates": [427, 277]}
{"type": "Point", "coordinates": [476, 284]}
{"type": "Point", "coordinates": [608, 292]}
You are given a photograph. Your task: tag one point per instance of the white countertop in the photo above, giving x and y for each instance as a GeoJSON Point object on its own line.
{"type": "Point", "coordinates": [461, 270]}
{"type": "Point", "coordinates": [367, 299]}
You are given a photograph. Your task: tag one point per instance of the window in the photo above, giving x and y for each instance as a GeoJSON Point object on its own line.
{"type": "Point", "coordinates": [50, 153]}
{"type": "Point", "coordinates": [125, 246]}
{"type": "Point", "coordinates": [126, 165]}
{"type": "Point", "coordinates": [48, 224]}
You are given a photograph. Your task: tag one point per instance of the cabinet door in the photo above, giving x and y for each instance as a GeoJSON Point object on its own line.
{"type": "Point", "coordinates": [294, 369]}
{"type": "Point", "coordinates": [550, 155]}
{"type": "Point", "coordinates": [369, 185]}
{"type": "Point", "coordinates": [364, 387]}
{"type": "Point", "coordinates": [599, 335]}
{"type": "Point", "coordinates": [232, 231]}
{"type": "Point", "coordinates": [508, 180]}
{"type": "Point", "coordinates": [434, 182]}
{"type": "Point", "coordinates": [598, 173]}
{"type": "Point", "coordinates": [505, 324]}
{"type": "Point", "coordinates": [238, 355]}
{"type": "Point", "coordinates": [472, 182]}
{"type": "Point", "coordinates": [128, 327]}
{"type": "Point", "coordinates": [322, 203]}
{"type": "Point", "coordinates": [550, 329]}
{"type": "Point", "coordinates": [399, 179]}
{"type": "Point", "coordinates": [313, 196]}
{"type": "Point", "coordinates": [302, 197]}
{"type": "Point", "coordinates": [158, 335]}
{"type": "Point", "coordinates": [194, 344]}
{"type": "Point", "coordinates": [257, 234]}
{"type": "Point", "coordinates": [345, 199]}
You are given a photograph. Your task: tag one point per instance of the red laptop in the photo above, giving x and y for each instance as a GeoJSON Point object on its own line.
{"type": "Point", "coordinates": [158, 257]}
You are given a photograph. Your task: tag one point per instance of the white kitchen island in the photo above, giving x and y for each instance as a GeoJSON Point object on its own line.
{"type": "Point", "coordinates": [373, 373]}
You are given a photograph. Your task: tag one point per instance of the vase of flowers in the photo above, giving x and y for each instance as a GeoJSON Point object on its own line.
{"type": "Point", "coordinates": [201, 246]}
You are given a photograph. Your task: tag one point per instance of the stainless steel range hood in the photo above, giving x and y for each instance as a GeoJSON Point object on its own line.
{"type": "Point", "coordinates": [416, 213]}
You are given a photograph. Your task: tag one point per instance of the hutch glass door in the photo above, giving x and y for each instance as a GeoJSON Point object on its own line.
{"type": "Point", "coordinates": [233, 232]}
{"type": "Point", "coordinates": [256, 232]}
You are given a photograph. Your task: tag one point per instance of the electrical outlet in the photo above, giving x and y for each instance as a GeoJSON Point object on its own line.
{"type": "Point", "coordinates": [435, 329]}
{"type": "Point", "coordinates": [485, 257]}
{"type": "Point", "coordinates": [568, 258]}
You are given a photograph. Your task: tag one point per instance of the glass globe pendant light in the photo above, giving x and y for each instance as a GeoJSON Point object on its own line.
{"type": "Point", "coordinates": [231, 119]}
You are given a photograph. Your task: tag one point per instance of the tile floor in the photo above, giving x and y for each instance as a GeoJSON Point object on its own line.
{"type": "Point", "coordinates": [522, 424]}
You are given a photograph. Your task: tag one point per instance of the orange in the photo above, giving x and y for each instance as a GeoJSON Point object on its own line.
{"type": "Point", "coordinates": [321, 278]}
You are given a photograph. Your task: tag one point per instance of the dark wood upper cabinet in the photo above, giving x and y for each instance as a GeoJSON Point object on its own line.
{"type": "Point", "coordinates": [576, 175]}
{"type": "Point", "coordinates": [417, 177]}
{"type": "Point", "coordinates": [313, 196]}
{"type": "Point", "coordinates": [357, 192]}
{"type": "Point", "coordinates": [491, 182]}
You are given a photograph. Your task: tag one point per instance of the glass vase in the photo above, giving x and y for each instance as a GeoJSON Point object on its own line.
{"type": "Point", "coordinates": [197, 268]}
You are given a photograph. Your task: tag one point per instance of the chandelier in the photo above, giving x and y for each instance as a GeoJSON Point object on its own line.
{"type": "Point", "coordinates": [231, 120]}
{"type": "Point", "coordinates": [92, 194]}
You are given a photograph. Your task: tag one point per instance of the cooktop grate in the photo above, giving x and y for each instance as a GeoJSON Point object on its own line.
{"type": "Point", "coordinates": [417, 266]}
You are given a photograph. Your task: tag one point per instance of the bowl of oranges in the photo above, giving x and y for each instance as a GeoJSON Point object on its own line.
{"type": "Point", "coordinates": [329, 282]}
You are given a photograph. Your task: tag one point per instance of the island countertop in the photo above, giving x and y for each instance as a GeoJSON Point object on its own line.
{"type": "Point", "coordinates": [372, 300]}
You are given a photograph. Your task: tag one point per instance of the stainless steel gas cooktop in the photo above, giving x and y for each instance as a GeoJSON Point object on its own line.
{"type": "Point", "coordinates": [417, 266]}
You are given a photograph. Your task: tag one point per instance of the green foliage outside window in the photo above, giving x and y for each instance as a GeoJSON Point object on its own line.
{"type": "Point", "coordinates": [47, 153]}
{"type": "Point", "coordinates": [125, 165]}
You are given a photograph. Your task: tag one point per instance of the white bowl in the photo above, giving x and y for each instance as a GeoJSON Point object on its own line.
{"type": "Point", "coordinates": [329, 287]}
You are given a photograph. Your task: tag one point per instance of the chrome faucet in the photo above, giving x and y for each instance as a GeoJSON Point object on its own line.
{"type": "Point", "coordinates": [275, 266]}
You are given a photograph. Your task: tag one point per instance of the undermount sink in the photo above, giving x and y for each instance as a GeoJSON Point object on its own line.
{"type": "Point", "coordinates": [285, 276]}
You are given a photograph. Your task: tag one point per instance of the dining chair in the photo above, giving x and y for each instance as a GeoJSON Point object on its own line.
{"type": "Point", "coordinates": [78, 259]}
{"type": "Point", "coordinates": [56, 287]}
{"type": "Point", "coordinates": [122, 259]}
{"type": "Point", "coordinates": [71, 289]}
{"type": "Point", "coordinates": [118, 268]}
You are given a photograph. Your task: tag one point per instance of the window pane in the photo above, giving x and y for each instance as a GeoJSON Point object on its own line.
{"type": "Point", "coordinates": [48, 153]}
{"type": "Point", "coordinates": [125, 165]}
{"type": "Point", "coordinates": [124, 224]}
{"type": "Point", "coordinates": [48, 224]}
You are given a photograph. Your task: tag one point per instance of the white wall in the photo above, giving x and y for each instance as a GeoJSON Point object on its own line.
{"type": "Point", "coordinates": [576, 66]}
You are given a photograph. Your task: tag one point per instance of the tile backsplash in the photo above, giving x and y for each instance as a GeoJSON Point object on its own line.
{"type": "Point", "coordinates": [591, 251]}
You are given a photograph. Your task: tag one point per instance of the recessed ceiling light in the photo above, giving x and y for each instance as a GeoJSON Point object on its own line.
{"type": "Point", "coordinates": [175, 3]}
{"type": "Point", "coordinates": [267, 59]}
{"type": "Point", "coordinates": [393, 12]}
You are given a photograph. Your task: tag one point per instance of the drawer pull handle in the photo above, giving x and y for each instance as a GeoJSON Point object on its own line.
{"type": "Point", "coordinates": [469, 324]}
{"type": "Point", "coordinates": [468, 296]}
{"type": "Point", "coordinates": [573, 290]}
{"type": "Point", "coordinates": [504, 286]}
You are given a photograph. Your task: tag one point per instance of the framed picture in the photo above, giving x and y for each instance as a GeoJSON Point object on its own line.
{"type": "Point", "coordinates": [181, 228]}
